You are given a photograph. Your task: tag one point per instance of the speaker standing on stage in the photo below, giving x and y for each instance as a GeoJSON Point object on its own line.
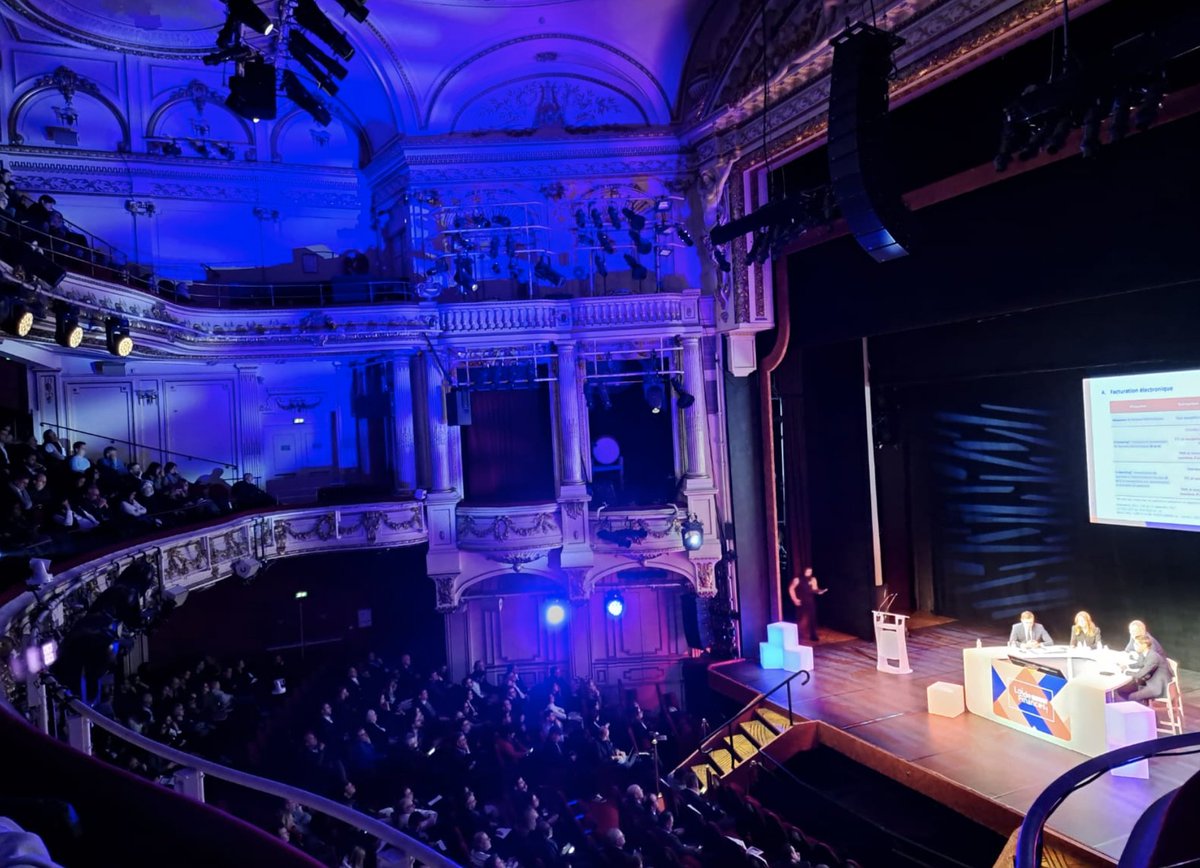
{"type": "Point", "coordinates": [1085, 633]}
{"type": "Point", "coordinates": [804, 590]}
{"type": "Point", "coordinates": [1029, 633]}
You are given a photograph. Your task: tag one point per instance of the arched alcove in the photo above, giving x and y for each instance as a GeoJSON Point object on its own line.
{"type": "Point", "coordinates": [66, 111]}
{"type": "Point", "coordinates": [298, 139]}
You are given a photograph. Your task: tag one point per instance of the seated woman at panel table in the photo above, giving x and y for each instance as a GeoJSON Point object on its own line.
{"type": "Point", "coordinates": [1138, 628]}
{"type": "Point", "coordinates": [1085, 633]}
{"type": "Point", "coordinates": [1151, 673]}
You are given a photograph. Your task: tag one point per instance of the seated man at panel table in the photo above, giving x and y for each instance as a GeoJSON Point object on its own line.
{"type": "Point", "coordinates": [1151, 673]}
{"type": "Point", "coordinates": [1138, 628]}
{"type": "Point", "coordinates": [1029, 633]}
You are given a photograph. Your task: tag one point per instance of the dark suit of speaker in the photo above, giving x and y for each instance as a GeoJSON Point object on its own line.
{"type": "Point", "coordinates": [1151, 680]}
{"type": "Point", "coordinates": [860, 163]}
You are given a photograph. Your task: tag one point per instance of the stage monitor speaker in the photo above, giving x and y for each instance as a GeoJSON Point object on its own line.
{"type": "Point", "coordinates": [860, 164]}
{"type": "Point", "coordinates": [458, 407]}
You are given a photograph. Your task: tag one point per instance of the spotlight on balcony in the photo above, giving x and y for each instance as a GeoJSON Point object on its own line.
{"type": "Point", "coordinates": [116, 336]}
{"type": "Point", "coordinates": [67, 330]}
{"type": "Point", "coordinates": [555, 613]}
{"type": "Point", "coordinates": [614, 604]}
{"type": "Point", "coordinates": [692, 532]}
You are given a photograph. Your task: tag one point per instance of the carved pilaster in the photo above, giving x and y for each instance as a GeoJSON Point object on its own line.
{"type": "Point", "coordinates": [249, 403]}
{"type": "Point", "coordinates": [580, 584]}
{"type": "Point", "coordinates": [696, 416]}
{"type": "Point", "coordinates": [439, 431]}
{"type": "Point", "coordinates": [568, 410]}
{"type": "Point", "coordinates": [705, 580]}
{"type": "Point", "coordinates": [402, 406]}
{"type": "Point", "coordinates": [449, 597]}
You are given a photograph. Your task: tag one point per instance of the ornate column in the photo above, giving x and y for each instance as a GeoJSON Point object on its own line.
{"type": "Point", "coordinates": [568, 412]}
{"type": "Point", "coordinates": [250, 411]}
{"type": "Point", "coordinates": [404, 413]}
{"type": "Point", "coordinates": [695, 417]}
{"type": "Point", "coordinates": [576, 558]}
{"type": "Point", "coordinates": [439, 431]}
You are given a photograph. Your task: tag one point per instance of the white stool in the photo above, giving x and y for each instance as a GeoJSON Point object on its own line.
{"type": "Point", "coordinates": [770, 656]}
{"type": "Point", "coordinates": [945, 699]}
{"type": "Point", "coordinates": [1127, 723]}
{"type": "Point", "coordinates": [798, 657]}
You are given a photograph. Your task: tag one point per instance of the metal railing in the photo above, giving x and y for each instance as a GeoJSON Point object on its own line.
{"type": "Point", "coordinates": [326, 293]}
{"type": "Point", "coordinates": [79, 252]}
{"type": "Point", "coordinates": [1029, 836]}
{"type": "Point", "coordinates": [189, 779]}
{"type": "Point", "coordinates": [725, 730]}
{"type": "Point", "coordinates": [133, 445]}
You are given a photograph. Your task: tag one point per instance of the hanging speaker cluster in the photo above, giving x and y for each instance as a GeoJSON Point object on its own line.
{"type": "Point", "coordinates": [860, 159]}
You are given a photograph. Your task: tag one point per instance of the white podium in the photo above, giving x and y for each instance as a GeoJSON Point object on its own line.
{"type": "Point", "coordinates": [891, 643]}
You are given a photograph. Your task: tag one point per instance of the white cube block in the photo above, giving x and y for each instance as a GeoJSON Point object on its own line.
{"type": "Point", "coordinates": [798, 657]}
{"type": "Point", "coordinates": [1128, 723]}
{"type": "Point", "coordinates": [782, 634]}
{"type": "Point", "coordinates": [945, 699]}
{"type": "Point", "coordinates": [770, 656]}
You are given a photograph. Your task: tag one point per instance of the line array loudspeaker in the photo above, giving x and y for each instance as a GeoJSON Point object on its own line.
{"type": "Point", "coordinates": [860, 164]}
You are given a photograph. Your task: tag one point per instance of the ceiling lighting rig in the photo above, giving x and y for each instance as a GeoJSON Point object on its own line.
{"type": "Point", "coordinates": [264, 55]}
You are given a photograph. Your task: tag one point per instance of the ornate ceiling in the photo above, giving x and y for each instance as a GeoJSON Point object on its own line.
{"type": "Point", "coordinates": [436, 68]}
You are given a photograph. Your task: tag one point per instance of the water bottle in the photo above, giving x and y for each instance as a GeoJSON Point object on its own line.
{"type": "Point", "coordinates": [978, 642]}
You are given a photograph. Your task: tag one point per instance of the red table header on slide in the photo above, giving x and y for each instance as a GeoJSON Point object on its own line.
{"type": "Point", "coordinates": [1154, 405]}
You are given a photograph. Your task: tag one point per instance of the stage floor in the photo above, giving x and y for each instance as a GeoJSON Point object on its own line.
{"type": "Point", "coordinates": [889, 711]}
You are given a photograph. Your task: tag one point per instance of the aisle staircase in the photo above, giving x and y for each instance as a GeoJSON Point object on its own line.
{"type": "Point", "coordinates": [740, 739]}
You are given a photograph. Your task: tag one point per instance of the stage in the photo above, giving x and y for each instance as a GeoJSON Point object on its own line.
{"type": "Point", "coordinates": [993, 761]}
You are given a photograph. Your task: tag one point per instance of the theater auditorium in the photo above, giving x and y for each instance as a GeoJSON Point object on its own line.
{"type": "Point", "coordinates": [598, 434]}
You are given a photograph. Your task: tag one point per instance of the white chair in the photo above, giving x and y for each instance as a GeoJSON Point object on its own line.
{"type": "Point", "coordinates": [1172, 703]}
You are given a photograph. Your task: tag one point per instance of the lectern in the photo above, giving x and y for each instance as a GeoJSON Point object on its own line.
{"type": "Point", "coordinates": [891, 644]}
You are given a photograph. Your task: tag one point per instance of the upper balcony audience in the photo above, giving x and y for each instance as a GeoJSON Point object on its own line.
{"type": "Point", "coordinates": [52, 503]}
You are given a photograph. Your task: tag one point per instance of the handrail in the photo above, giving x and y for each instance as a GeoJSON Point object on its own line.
{"type": "Point", "coordinates": [728, 724]}
{"type": "Point", "coordinates": [358, 820]}
{"type": "Point", "coordinates": [134, 444]}
{"type": "Point", "coordinates": [1029, 836]}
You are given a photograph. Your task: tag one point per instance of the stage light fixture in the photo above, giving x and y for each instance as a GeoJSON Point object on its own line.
{"type": "Point", "coordinates": [18, 319]}
{"type": "Point", "coordinates": [1089, 140]}
{"type": "Point", "coordinates": [637, 271]}
{"type": "Point", "coordinates": [597, 220]}
{"type": "Point", "coordinates": [614, 604]}
{"type": "Point", "coordinates": [722, 260]}
{"type": "Point", "coordinates": [601, 265]}
{"type": "Point", "coordinates": [252, 90]}
{"type": "Point", "coordinates": [606, 243]}
{"type": "Point", "coordinates": [356, 9]}
{"type": "Point", "coordinates": [654, 393]}
{"type": "Point", "coordinates": [760, 250]}
{"type": "Point", "coordinates": [580, 218]}
{"type": "Point", "coordinates": [298, 93]}
{"type": "Point", "coordinates": [692, 533]}
{"type": "Point", "coordinates": [116, 336]}
{"type": "Point", "coordinates": [641, 244]}
{"type": "Point", "coordinates": [684, 235]}
{"type": "Point", "coordinates": [67, 330]}
{"type": "Point", "coordinates": [636, 221]}
{"type": "Point", "coordinates": [313, 19]}
{"type": "Point", "coordinates": [247, 12]}
{"type": "Point", "coordinates": [614, 216]}
{"type": "Point", "coordinates": [555, 613]}
{"type": "Point", "coordinates": [229, 33]}
{"type": "Point", "coordinates": [313, 59]}
{"type": "Point", "coordinates": [236, 52]}
{"type": "Point", "coordinates": [682, 399]}
{"type": "Point", "coordinates": [543, 270]}
{"type": "Point", "coordinates": [1118, 127]}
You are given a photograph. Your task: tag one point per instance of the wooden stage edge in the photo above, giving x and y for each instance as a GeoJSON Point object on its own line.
{"type": "Point", "coordinates": [972, 765]}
